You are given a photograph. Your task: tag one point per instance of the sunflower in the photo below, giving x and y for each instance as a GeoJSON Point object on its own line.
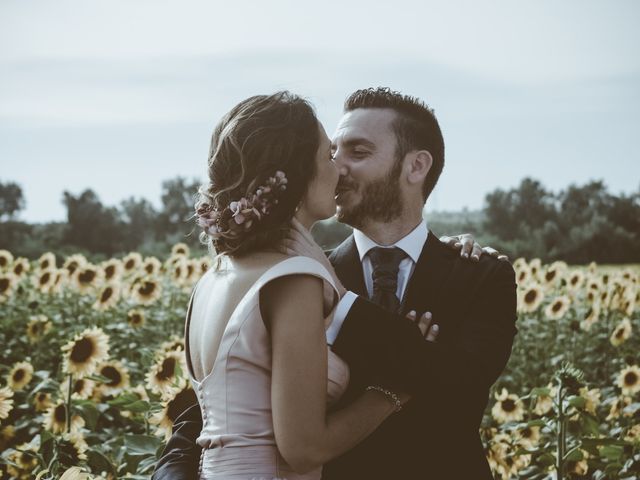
{"type": "Point", "coordinates": [508, 407]}
{"type": "Point", "coordinates": [173, 406]}
{"type": "Point", "coordinates": [8, 282]}
{"type": "Point", "coordinates": [20, 375]}
{"type": "Point", "coordinates": [42, 401]}
{"type": "Point", "coordinates": [55, 419]}
{"type": "Point", "coordinates": [44, 280]}
{"type": "Point", "coordinates": [81, 388]}
{"type": "Point", "coordinates": [530, 299]}
{"type": "Point", "coordinates": [38, 327]}
{"type": "Point", "coordinates": [558, 307]}
{"type": "Point", "coordinates": [544, 402]}
{"type": "Point", "coordinates": [111, 269]}
{"type": "Point", "coordinates": [7, 434]}
{"type": "Point", "coordinates": [131, 262]}
{"type": "Point", "coordinates": [175, 343]}
{"type": "Point", "coordinates": [575, 281]}
{"type": "Point", "coordinates": [146, 291]}
{"type": "Point", "coordinates": [20, 267]}
{"type": "Point", "coordinates": [166, 372]}
{"type": "Point", "coordinates": [178, 271]}
{"type": "Point", "coordinates": [523, 275]}
{"type": "Point", "coordinates": [107, 297]}
{"type": "Point", "coordinates": [535, 266]}
{"type": "Point", "coordinates": [528, 437]}
{"type": "Point", "coordinates": [47, 261]}
{"type": "Point", "coordinates": [553, 275]}
{"type": "Point", "coordinates": [629, 380]}
{"type": "Point", "coordinates": [72, 448]}
{"type": "Point", "coordinates": [117, 374]}
{"type": "Point", "coordinates": [6, 402]}
{"type": "Point", "coordinates": [180, 249]}
{"type": "Point", "coordinates": [592, 398]}
{"type": "Point", "coordinates": [193, 272]}
{"type": "Point", "coordinates": [151, 266]}
{"type": "Point", "coordinates": [23, 460]}
{"type": "Point", "coordinates": [590, 317]}
{"type": "Point", "coordinates": [75, 261]}
{"type": "Point", "coordinates": [136, 318]}
{"type": "Point", "coordinates": [82, 354]}
{"type": "Point", "coordinates": [621, 333]}
{"type": "Point", "coordinates": [6, 259]}
{"type": "Point", "coordinates": [60, 280]}
{"type": "Point", "coordinates": [205, 264]}
{"type": "Point", "coordinates": [86, 278]}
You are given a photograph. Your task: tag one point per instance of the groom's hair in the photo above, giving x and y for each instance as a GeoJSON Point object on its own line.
{"type": "Point", "coordinates": [416, 126]}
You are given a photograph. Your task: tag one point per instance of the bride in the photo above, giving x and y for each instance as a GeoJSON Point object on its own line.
{"type": "Point", "coordinates": [255, 333]}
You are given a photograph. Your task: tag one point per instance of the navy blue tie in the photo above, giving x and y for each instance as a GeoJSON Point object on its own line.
{"type": "Point", "coordinates": [386, 264]}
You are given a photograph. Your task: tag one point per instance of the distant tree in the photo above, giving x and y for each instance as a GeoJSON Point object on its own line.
{"type": "Point", "coordinates": [178, 200]}
{"type": "Point", "coordinates": [91, 225]}
{"type": "Point", "coordinates": [140, 219]}
{"type": "Point", "coordinates": [11, 200]}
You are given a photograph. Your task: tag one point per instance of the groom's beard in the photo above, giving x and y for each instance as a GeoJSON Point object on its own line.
{"type": "Point", "coordinates": [380, 200]}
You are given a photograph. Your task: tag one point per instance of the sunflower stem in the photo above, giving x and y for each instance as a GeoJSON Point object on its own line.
{"type": "Point", "coordinates": [68, 404]}
{"type": "Point", "coordinates": [560, 434]}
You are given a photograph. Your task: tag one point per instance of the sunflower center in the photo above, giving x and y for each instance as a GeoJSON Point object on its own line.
{"type": "Point", "coordinates": [44, 264]}
{"type": "Point", "coordinates": [129, 265]}
{"type": "Point", "coordinates": [179, 404]}
{"type": "Point", "coordinates": [556, 307]}
{"type": "Point", "coordinates": [136, 318]}
{"type": "Point", "coordinates": [78, 386]}
{"type": "Point", "coordinates": [526, 433]}
{"type": "Point", "coordinates": [18, 269]}
{"type": "Point", "coordinates": [550, 275]}
{"type": "Point", "coordinates": [147, 288]}
{"type": "Point", "coordinates": [106, 294]}
{"type": "Point", "coordinates": [112, 374]}
{"type": "Point", "coordinates": [44, 279]}
{"type": "Point", "coordinates": [4, 261]}
{"type": "Point", "coordinates": [18, 375]}
{"type": "Point", "coordinates": [619, 333]}
{"type": "Point", "coordinates": [60, 414]}
{"type": "Point", "coordinates": [4, 285]}
{"type": "Point", "coordinates": [87, 276]}
{"type": "Point", "coordinates": [531, 296]}
{"type": "Point", "coordinates": [631, 378]}
{"type": "Point", "coordinates": [72, 267]}
{"type": "Point", "coordinates": [168, 369]}
{"type": "Point", "coordinates": [508, 405]}
{"type": "Point", "coordinates": [82, 350]}
{"type": "Point", "coordinates": [109, 271]}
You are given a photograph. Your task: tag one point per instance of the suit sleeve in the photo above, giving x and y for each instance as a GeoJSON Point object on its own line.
{"type": "Point", "coordinates": [391, 350]}
{"type": "Point", "coordinates": [181, 456]}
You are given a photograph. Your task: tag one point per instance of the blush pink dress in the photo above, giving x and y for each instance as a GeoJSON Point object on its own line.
{"type": "Point", "coordinates": [235, 396]}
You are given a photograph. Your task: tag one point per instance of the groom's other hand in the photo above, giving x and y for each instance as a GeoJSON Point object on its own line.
{"type": "Point", "coordinates": [469, 248]}
{"type": "Point", "coordinates": [429, 330]}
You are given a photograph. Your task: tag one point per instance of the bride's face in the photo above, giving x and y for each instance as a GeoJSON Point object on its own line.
{"type": "Point", "coordinates": [319, 201]}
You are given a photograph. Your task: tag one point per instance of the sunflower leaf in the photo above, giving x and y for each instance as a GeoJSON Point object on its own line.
{"type": "Point", "coordinates": [142, 444]}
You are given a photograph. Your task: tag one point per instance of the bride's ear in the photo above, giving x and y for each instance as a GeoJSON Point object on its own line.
{"type": "Point", "coordinates": [420, 162]}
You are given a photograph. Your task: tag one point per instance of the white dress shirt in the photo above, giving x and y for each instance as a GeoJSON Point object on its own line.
{"type": "Point", "coordinates": [412, 244]}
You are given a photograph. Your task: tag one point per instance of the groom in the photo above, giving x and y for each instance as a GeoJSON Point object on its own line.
{"type": "Point", "coordinates": [390, 152]}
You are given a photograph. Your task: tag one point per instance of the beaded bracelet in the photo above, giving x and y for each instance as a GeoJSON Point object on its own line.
{"type": "Point", "coordinates": [392, 396]}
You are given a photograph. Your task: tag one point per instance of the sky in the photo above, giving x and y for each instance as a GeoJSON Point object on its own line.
{"type": "Point", "coordinates": [119, 95]}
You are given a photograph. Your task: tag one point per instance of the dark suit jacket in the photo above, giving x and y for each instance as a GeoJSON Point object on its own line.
{"type": "Point", "coordinates": [436, 434]}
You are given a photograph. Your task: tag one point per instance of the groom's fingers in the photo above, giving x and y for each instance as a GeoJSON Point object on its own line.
{"type": "Point", "coordinates": [451, 242]}
{"type": "Point", "coordinates": [476, 252]}
{"type": "Point", "coordinates": [433, 333]}
{"type": "Point", "coordinates": [425, 322]}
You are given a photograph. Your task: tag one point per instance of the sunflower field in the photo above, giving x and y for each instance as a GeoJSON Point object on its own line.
{"type": "Point", "coordinates": [93, 370]}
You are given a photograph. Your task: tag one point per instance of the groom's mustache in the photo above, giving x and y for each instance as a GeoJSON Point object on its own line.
{"type": "Point", "coordinates": [345, 184]}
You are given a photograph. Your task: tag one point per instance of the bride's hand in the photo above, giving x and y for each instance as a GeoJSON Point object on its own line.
{"type": "Point", "coordinates": [300, 242]}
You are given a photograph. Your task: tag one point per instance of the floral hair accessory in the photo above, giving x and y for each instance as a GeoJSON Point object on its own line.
{"type": "Point", "coordinates": [239, 216]}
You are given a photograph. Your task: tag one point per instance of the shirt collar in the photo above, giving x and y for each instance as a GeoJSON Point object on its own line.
{"type": "Point", "coordinates": [412, 244]}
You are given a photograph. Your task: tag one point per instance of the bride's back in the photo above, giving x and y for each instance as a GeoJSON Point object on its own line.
{"type": "Point", "coordinates": [217, 295]}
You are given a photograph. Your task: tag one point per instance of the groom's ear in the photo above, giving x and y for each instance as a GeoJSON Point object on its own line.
{"type": "Point", "coordinates": [420, 162]}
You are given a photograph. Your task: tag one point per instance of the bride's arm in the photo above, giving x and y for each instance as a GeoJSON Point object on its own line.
{"type": "Point", "coordinates": [306, 435]}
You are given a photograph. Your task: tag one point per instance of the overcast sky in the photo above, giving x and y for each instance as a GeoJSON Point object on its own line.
{"type": "Point", "coordinates": [119, 95]}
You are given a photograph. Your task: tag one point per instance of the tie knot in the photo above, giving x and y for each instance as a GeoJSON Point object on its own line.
{"type": "Point", "coordinates": [386, 260]}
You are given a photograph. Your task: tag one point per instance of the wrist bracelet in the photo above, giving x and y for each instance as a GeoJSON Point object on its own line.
{"type": "Point", "coordinates": [392, 396]}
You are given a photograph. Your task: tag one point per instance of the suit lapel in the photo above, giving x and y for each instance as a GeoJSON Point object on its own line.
{"type": "Point", "coordinates": [346, 261]}
{"type": "Point", "coordinates": [424, 291]}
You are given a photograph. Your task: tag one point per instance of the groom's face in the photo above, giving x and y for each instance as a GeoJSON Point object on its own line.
{"type": "Point", "coordinates": [365, 151]}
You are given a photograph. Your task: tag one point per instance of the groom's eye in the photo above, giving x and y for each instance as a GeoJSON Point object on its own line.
{"type": "Point", "coordinates": [359, 153]}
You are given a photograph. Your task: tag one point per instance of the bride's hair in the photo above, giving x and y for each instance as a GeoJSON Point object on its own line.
{"type": "Point", "coordinates": [260, 136]}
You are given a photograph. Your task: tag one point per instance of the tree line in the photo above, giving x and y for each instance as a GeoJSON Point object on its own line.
{"type": "Point", "coordinates": [579, 224]}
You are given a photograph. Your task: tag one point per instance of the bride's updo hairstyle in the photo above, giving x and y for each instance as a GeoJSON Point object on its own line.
{"type": "Point", "coordinates": [265, 140]}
